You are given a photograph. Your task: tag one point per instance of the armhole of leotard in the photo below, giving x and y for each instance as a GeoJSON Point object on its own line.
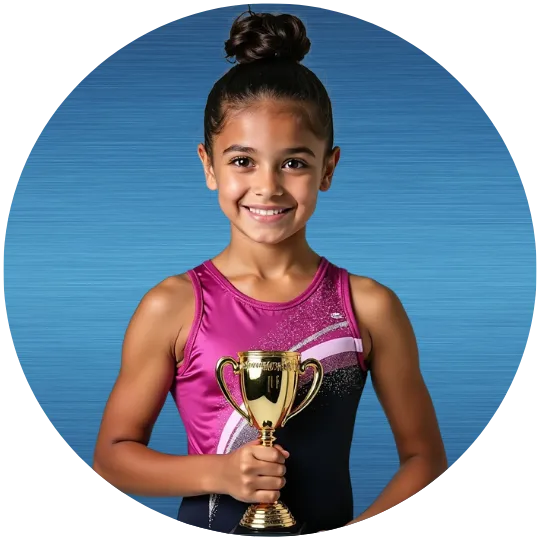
{"type": "Point", "coordinates": [345, 290]}
{"type": "Point", "coordinates": [194, 330]}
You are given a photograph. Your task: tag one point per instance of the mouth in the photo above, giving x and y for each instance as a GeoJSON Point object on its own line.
{"type": "Point", "coordinates": [260, 211]}
{"type": "Point", "coordinates": [266, 214]}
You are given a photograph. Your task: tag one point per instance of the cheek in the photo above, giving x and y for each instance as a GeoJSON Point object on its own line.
{"type": "Point", "coordinates": [305, 193]}
{"type": "Point", "coordinates": [231, 189]}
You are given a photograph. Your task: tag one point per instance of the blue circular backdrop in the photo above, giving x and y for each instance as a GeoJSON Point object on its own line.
{"type": "Point", "coordinates": [426, 200]}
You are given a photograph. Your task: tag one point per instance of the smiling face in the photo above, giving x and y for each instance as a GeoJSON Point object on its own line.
{"type": "Point", "coordinates": [268, 167]}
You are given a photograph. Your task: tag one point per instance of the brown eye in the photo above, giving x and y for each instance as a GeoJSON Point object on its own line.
{"type": "Point", "coordinates": [295, 164]}
{"type": "Point", "coordinates": [241, 161]}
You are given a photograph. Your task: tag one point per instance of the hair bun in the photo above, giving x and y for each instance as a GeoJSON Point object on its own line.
{"type": "Point", "coordinates": [263, 35]}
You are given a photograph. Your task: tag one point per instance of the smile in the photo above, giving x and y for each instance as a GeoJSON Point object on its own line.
{"type": "Point", "coordinates": [273, 212]}
{"type": "Point", "coordinates": [267, 215]}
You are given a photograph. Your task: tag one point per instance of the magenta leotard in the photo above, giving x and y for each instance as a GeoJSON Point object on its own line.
{"type": "Point", "coordinates": [320, 324]}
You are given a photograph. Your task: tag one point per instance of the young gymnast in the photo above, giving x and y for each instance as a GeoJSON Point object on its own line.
{"type": "Point", "coordinates": [268, 151]}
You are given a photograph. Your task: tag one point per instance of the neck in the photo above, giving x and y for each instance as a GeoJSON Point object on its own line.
{"type": "Point", "coordinates": [243, 255]}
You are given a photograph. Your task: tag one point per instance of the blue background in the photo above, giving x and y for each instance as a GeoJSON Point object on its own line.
{"type": "Point", "coordinates": [426, 199]}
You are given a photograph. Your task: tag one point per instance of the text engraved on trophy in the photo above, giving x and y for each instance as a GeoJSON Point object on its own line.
{"type": "Point", "coordinates": [285, 365]}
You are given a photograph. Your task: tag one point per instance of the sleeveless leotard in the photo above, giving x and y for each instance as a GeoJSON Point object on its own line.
{"type": "Point", "coordinates": [320, 324]}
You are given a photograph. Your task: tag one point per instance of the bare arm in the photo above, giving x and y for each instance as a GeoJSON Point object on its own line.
{"type": "Point", "coordinates": [147, 370]}
{"type": "Point", "coordinates": [401, 390]}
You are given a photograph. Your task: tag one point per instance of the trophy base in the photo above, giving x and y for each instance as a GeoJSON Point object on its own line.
{"type": "Point", "coordinates": [268, 520]}
{"type": "Point", "coordinates": [295, 530]}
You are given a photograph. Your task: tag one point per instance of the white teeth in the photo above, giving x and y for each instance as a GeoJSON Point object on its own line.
{"type": "Point", "coordinates": [266, 212]}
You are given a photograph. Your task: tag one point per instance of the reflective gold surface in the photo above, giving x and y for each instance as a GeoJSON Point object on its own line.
{"type": "Point", "coordinates": [269, 382]}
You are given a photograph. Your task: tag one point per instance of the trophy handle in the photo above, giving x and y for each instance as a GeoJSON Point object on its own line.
{"type": "Point", "coordinates": [315, 386]}
{"type": "Point", "coordinates": [222, 362]}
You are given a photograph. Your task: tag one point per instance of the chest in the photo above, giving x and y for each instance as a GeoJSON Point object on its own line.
{"type": "Point", "coordinates": [280, 290]}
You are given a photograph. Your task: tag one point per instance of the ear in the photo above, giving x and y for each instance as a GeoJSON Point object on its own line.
{"type": "Point", "coordinates": [211, 182]}
{"type": "Point", "coordinates": [329, 168]}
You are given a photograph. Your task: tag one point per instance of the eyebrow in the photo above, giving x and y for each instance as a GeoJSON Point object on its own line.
{"type": "Point", "coordinates": [249, 150]}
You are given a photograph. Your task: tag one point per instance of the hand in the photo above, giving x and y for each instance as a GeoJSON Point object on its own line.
{"type": "Point", "coordinates": [254, 473]}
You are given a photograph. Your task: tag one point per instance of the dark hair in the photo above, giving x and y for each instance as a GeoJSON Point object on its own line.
{"type": "Point", "coordinates": [268, 50]}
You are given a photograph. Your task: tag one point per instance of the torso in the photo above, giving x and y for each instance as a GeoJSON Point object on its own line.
{"type": "Point", "coordinates": [320, 303]}
{"type": "Point", "coordinates": [186, 308]}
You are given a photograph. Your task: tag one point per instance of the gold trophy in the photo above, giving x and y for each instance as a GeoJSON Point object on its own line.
{"type": "Point", "coordinates": [269, 382]}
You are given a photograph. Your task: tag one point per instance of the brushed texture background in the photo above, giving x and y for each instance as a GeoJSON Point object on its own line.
{"type": "Point", "coordinates": [426, 200]}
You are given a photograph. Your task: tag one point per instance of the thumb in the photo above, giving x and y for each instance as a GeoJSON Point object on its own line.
{"type": "Point", "coordinates": [254, 442]}
{"type": "Point", "coordinates": [285, 453]}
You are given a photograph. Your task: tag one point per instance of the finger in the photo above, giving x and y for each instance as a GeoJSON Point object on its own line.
{"type": "Point", "coordinates": [272, 455]}
{"type": "Point", "coordinates": [269, 483]}
{"type": "Point", "coordinates": [257, 442]}
{"type": "Point", "coordinates": [267, 497]}
{"type": "Point", "coordinates": [268, 468]}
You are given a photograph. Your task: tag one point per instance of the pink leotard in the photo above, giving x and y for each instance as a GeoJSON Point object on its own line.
{"type": "Point", "coordinates": [320, 324]}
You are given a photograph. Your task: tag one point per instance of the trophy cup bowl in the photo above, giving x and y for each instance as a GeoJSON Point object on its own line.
{"type": "Point", "coordinates": [269, 383]}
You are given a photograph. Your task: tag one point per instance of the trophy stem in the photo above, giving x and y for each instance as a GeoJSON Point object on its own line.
{"type": "Point", "coordinates": [267, 438]}
{"type": "Point", "coordinates": [268, 517]}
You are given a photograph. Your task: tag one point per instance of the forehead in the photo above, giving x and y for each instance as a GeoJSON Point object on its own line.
{"type": "Point", "coordinates": [269, 124]}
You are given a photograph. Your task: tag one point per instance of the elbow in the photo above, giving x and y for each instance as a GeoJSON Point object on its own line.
{"type": "Point", "coordinates": [443, 459]}
{"type": "Point", "coordinates": [435, 457]}
{"type": "Point", "coordinates": [429, 465]}
{"type": "Point", "coordinates": [438, 464]}
{"type": "Point", "coordinates": [102, 465]}
{"type": "Point", "coordinates": [442, 464]}
{"type": "Point", "coordinates": [108, 475]}
{"type": "Point", "coordinates": [99, 467]}
{"type": "Point", "coordinates": [107, 463]}
{"type": "Point", "coordinates": [440, 460]}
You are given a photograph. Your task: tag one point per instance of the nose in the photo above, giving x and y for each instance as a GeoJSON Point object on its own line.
{"type": "Point", "coordinates": [267, 183]}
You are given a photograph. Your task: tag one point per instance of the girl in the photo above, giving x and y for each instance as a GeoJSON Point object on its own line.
{"type": "Point", "coordinates": [268, 151]}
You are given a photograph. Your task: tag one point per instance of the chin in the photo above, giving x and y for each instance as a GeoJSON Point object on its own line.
{"type": "Point", "coordinates": [268, 239]}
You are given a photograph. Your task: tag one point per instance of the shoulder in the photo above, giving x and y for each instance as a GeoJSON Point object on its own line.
{"type": "Point", "coordinates": [162, 319]}
{"type": "Point", "coordinates": [386, 325]}
{"type": "Point", "coordinates": [167, 301]}
{"type": "Point", "coordinates": [165, 295]}
{"type": "Point", "coordinates": [376, 305]}
{"type": "Point", "coordinates": [373, 296]}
